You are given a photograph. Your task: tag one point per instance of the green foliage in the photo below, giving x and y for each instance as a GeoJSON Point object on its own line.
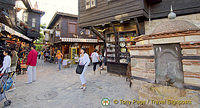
{"type": "Point", "coordinates": [41, 38]}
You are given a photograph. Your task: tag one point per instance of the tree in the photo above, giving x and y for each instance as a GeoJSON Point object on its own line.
{"type": "Point", "coordinates": [41, 38]}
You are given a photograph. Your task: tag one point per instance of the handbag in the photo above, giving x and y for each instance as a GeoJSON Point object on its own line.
{"type": "Point", "coordinates": [79, 69]}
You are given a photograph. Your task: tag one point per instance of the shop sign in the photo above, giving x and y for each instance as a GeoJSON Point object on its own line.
{"type": "Point", "coordinates": [78, 40]}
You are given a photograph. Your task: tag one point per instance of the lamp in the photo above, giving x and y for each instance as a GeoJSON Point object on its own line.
{"type": "Point", "coordinates": [171, 15]}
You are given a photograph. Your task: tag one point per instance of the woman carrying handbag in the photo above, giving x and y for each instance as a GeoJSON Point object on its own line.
{"type": "Point", "coordinates": [84, 61]}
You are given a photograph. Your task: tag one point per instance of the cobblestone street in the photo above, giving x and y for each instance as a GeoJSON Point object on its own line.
{"type": "Point", "coordinates": [60, 89]}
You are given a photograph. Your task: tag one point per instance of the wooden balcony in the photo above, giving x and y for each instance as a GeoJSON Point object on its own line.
{"type": "Point", "coordinates": [8, 2]}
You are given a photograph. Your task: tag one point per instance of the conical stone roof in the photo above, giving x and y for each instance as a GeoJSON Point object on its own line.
{"type": "Point", "coordinates": [172, 26]}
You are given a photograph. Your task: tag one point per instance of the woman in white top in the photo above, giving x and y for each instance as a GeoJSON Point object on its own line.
{"type": "Point", "coordinates": [6, 62]}
{"type": "Point", "coordinates": [83, 60]}
{"type": "Point", "coordinates": [95, 59]}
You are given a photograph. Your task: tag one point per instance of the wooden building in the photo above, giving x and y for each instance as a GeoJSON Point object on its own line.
{"type": "Point", "coordinates": [66, 35]}
{"type": "Point", "coordinates": [118, 22]}
{"type": "Point", "coordinates": [29, 24]}
{"type": "Point", "coordinates": [15, 32]}
{"type": "Point", "coordinates": [7, 12]}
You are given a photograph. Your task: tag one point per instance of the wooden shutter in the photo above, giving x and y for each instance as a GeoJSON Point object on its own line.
{"type": "Point", "coordinates": [72, 28]}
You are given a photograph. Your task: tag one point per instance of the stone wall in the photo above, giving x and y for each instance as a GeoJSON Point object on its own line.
{"type": "Point", "coordinates": [191, 68]}
{"type": "Point", "coordinates": [143, 55]}
{"type": "Point", "coordinates": [143, 67]}
{"type": "Point", "coordinates": [150, 25]}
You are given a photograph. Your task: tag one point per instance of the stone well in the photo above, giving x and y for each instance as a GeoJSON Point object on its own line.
{"type": "Point", "coordinates": [170, 55]}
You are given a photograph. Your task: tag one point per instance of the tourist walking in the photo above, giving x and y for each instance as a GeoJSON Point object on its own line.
{"type": "Point", "coordinates": [83, 60]}
{"type": "Point", "coordinates": [59, 57]}
{"type": "Point", "coordinates": [6, 62]}
{"type": "Point", "coordinates": [95, 60]}
{"type": "Point", "coordinates": [14, 59]}
{"type": "Point", "coordinates": [104, 60]}
{"type": "Point", "coordinates": [31, 63]}
{"type": "Point", "coordinates": [100, 61]}
{"type": "Point", "coordinates": [39, 54]}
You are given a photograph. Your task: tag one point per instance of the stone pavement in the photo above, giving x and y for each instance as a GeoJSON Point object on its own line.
{"type": "Point", "coordinates": [60, 89]}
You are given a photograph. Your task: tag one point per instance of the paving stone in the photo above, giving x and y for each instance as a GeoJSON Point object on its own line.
{"type": "Point", "coordinates": [60, 89]}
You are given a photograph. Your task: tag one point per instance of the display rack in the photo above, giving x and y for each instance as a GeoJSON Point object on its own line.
{"type": "Point", "coordinates": [118, 55]}
{"type": "Point", "coordinates": [116, 46]}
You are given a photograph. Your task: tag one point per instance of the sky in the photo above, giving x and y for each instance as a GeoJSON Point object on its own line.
{"type": "Point", "coordinates": [52, 6]}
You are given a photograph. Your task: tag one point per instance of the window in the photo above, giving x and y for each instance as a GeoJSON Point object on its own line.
{"type": "Point", "coordinates": [25, 17]}
{"type": "Point", "coordinates": [90, 3]}
{"type": "Point", "coordinates": [87, 3]}
{"type": "Point", "coordinates": [57, 33]}
{"type": "Point", "coordinates": [72, 27]}
{"type": "Point", "coordinates": [33, 22]}
{"type": "Point", "coordinates": [87, 32]}
{"type": "Point", "coordinates": [58, 26]}
{"type": "Point", "coordinates": [93, 3]}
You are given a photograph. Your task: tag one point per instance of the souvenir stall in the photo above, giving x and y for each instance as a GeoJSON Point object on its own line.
{"type": "Point", "coordinates": [118, 38]}
{"type": "Point", "coordinates": [71, 48]}
{"type": "Point", "coordinates": [11, 39]}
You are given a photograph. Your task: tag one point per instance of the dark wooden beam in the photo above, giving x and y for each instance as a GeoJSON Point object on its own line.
{"type": "Point", "coordinates": [138, 27]}
{"type": "Point", "coordinates": [27, 4]}
{"type": "Point", "coordinates": [95, 31]}
{"type": "Point", "coordinates": [154, 1]}
{"type": "Point", "coordinates": [116, 44]}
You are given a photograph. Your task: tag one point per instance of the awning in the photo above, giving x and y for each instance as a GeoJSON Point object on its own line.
{"type": "Point", "coordinates": [13, 32]}
{"type": "Point", "coordinates": [80, 40]}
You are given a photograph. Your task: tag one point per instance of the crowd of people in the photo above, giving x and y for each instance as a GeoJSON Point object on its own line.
{"type": "Point", "coordinates": [11, 62]}
{"type": "Point", "coordinates": [83, 59]}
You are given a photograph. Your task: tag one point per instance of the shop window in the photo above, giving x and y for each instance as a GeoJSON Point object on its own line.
{"type": "Point", "coordinates": [72, 27]}
{"type": "Point", "coordinates": [33, 22]}
{"type": "Point", "coordinates": [90, 3]}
